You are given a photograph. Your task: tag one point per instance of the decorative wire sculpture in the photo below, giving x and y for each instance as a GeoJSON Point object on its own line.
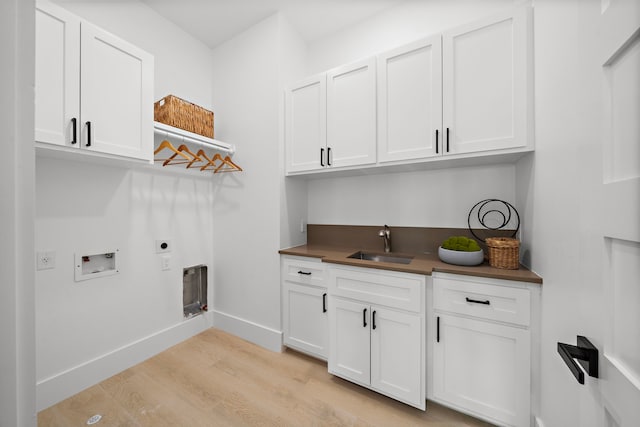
{"type": "Point", "coordinates": [499, 212]}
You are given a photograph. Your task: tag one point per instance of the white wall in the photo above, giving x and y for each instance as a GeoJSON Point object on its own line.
{"type": "Point", "coordinates": [17, 329]}
{"type": "Point", "coordinates": [439, 198]}
{"type": "Point", "coordinates": [293, 192]}
{"type": "Point", "coordinates": [88, 331]}
{"type": "Point", "coordinates": [248, 221]}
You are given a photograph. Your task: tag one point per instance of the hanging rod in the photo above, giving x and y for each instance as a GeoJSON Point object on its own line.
{"type": "Point", "coordinates": [193, 138]}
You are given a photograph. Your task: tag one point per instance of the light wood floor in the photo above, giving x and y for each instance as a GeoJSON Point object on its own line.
{"type": "Point", "coordinates": [217, 379]}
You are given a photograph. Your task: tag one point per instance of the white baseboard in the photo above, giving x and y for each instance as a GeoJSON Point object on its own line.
{"type": "Point", "coordinates": [54, 389]}
{"type": "Point", "coordinates": [263, 336]}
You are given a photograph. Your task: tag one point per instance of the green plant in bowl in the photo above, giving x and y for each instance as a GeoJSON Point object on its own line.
{"type": "Point", "coordinates": [460, 250]}
{"type": "Point", "coordinates": [461, 243]}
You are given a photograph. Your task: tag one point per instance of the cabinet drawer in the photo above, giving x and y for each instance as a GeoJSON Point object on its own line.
{"type": "Point", "coordinates": [306, 272]}
{"type": "Point", "coordinates": [384, 287]}
{"type": "Point", "coordinates": [479, 298]}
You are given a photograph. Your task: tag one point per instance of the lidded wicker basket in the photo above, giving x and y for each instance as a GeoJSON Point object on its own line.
{"type": "Point", "coordinates": [504, 252]}
{"type": "Point", "coordinates": [182, 114]}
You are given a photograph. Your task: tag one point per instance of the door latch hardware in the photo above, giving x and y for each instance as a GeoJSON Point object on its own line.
{"type": "Point", "coordinates": [587, 355]}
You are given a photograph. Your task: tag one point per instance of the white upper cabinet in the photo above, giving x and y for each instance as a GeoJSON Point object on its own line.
{"type": "Point", "coordinates": [57, 80]}
{"type": "Point", "coordinates": [306, 124]}
{"type": "Point", "coordinates": [487, 79]}
{"type": "Point", "coordinates": [94, 91]}
{"type": "Point", "coordinates": [351, 114]}
{"type": "Point", "coordinates": [465, 93]}
{"type": "Point", "coordinates": [410, 101]}
{"type": "Point", "coordinates": [117, 95]}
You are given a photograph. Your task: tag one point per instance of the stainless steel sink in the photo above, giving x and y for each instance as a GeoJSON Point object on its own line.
{"type": "Point", "coordinates": [370, 256]}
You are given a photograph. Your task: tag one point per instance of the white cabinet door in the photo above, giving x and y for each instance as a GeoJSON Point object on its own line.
{"type": "Point", "coordinates": [484, 368]}
{"type": "Point", "coordinates": [351, 114]}
{"type": "Point", "coordinates": [487, 83]}
{"type": "Point", "coordinates": [306, 124]}
{"type": "Point", "coordinates": [349, 345]}
{"type": "Point", "coordinates": [117, 95]}
{"type": "Point", "coordinates": [306, 326]}
{"type": "Point", "coordinates": [397, 364]}
{"type": "Point", "coordinates": [57, 91]}
{"type": "Point", "coordinates": [410, 101]}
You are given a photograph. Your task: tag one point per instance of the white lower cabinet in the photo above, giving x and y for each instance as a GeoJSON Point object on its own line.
{"type": "Point", "coordinates": [482, 348]}
{"type": "Point", "coordinates": [374, 339]}
{"type": "Point", "coordinates": [304, 302]}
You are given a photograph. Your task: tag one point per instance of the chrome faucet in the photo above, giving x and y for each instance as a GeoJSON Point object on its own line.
{"type": "Point", "coordinates": [386, 235]}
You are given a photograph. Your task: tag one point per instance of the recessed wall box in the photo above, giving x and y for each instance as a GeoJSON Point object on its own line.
{"type": "Point", "coordinates": [94, 264]}
{"type": "Point", "coordinates": [194, 290]}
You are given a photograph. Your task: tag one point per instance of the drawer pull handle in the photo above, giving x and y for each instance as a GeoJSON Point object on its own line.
{"type": "Point", "coordinates": [364, 318]}
{"type": "Point", "coordinates": [475, 301]}
{"type": "Point", "coordinates": [306, 273]}
{"type": "Point", "coordinates": [324, 302]}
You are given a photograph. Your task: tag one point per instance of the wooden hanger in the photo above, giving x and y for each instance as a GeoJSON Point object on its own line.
{"type": "Point", "coordinates": [166, 145]}
{"type": "Point", "coordinates": [227, 165]}
{"type": "Point", "coordinates": [180, 150]}
{"type": "Point", "coordinates": [202, 155]}
{"type": "Point", "coordinates": [212, 162]}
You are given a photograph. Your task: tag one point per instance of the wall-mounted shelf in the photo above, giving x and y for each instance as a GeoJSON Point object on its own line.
{"type": "Point", "coordinates": [205, 156]}
{"type": "Point", "coordinates": [176, 134]}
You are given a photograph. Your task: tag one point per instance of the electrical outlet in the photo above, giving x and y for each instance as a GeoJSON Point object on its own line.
{"type": "Point", "coordinates": [163, 246]}
{"type": "Point", "coordinates": [165, 262]}
{"type": "Point", "coordinates": [45, 260]}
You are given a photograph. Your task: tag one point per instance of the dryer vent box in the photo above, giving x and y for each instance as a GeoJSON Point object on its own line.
{"type": "Point", "coordinates": [194, 290]}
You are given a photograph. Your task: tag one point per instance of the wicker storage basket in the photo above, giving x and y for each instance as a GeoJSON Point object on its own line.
{"type": "Point", "coordinates": [504, 252]}
{"type": "Point", "coordinates": [182, 114]}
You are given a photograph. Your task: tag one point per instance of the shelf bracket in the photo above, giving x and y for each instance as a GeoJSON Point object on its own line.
{"type": "Point", "coordinates": [587, 355]}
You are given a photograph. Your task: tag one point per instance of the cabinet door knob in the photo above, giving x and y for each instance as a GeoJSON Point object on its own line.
{"type": "Point", "coordinates": [364, 318]}
{"type": "Point", "coordinates": [88, 144]}
{"type": "Point", "coordinates": [74, 130]}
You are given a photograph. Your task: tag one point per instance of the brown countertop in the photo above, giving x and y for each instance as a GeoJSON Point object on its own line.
{"type": "Point", "coordinates": [422, 263]}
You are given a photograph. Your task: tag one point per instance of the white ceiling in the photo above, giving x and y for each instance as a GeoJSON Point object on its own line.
{"type": "Point", "coordinates": [214, 21]}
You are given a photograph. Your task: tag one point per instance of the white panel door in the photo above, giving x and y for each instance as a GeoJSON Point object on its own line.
{"type": "Point", "coordinates": [351, 114]}
{"type": "Point", "coordinates": [349, 346]}
{"type": "Point", "coordinates": [306, 325]}
{"type": "Point", "coordinates": [117, 95]}
{"type": "Point", "coordinates": [486, 78]}
{"type": "Point", "coordinates": [483, 367]}
{"type": "Point", "coordinates": [57, 79]}
{"type": "Point", "coordinates": [410, 101]}
{"type": "Point", "coordinates": [397, 362]}
{"type": "Point", "coordinates": [618, 389]}
{"type": "Point", "coordinates": [306, 124]}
